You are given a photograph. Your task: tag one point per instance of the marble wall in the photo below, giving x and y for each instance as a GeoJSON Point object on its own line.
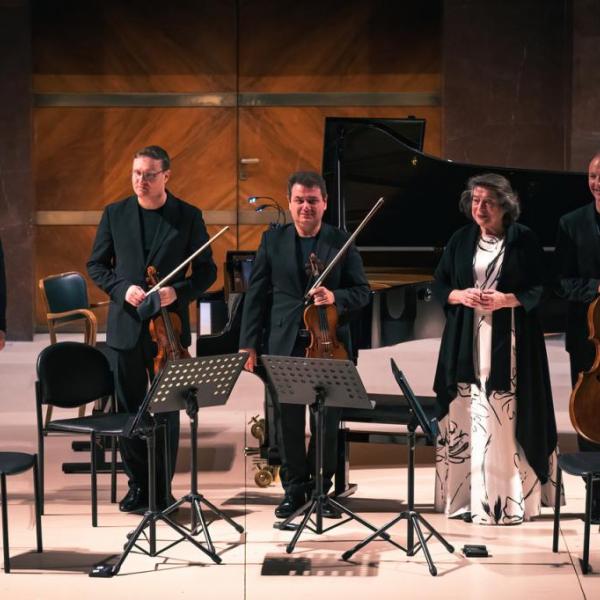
{"type": "Point", "coordinates": [16, 188]}
{"type": "Point", "coordinates": [585, 100]}
{"type": "Point", "coordinates": [506, 86]}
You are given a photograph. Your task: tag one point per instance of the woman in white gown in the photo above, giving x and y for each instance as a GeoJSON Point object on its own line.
{"type": "Point", "coordinates": [496, 453]}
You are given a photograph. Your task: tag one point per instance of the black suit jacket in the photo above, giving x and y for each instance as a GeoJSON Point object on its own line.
{"type": "Point", "coordinates": [117, 262]}
{"type": "Point", "coordinates": [578, 268]}
{"type": "Point", "coordinates": [276, 271]}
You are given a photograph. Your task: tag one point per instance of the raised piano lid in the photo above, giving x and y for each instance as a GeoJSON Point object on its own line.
{"type": "Point", "coordinates": [364, 159]}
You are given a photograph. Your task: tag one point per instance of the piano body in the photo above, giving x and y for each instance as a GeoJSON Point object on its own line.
{"type": "Point", "coordinates": [364, 159]}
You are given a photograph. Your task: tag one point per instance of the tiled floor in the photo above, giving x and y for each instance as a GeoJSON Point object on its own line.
{"type": "Point", "coordinates": [255, 564]}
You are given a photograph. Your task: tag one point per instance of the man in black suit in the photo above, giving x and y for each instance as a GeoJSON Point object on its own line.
{"type": "Point", "coordinates": [2, 300]}
{"type": "Point", "coordinates": [151, 227]}
{"type": "Point", "coordinates": [280, 271]}
{"type": "Point", "coordinates": [578, 266]}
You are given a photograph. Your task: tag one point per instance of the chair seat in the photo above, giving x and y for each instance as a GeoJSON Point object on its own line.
{"type": "Point", "coordinates": [107, 424]}
{"type": "Point", "coordinates": [12, 463]}
{"type": "Point", "coordinates": [580, 463]}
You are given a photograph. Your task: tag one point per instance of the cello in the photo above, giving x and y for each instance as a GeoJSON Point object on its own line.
{"type": "Point", "coordinates": [584, 404]}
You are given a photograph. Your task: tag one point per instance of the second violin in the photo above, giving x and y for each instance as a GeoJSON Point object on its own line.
{"type": "Point", "coordinates": [165, 330]}
{"type": "Point", "coordinates": [322, 322]}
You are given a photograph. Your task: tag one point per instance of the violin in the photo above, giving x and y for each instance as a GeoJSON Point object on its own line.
{"type": "Point", "coordinates": [584, 404]}
{"type": "Point", "coordinates": [165, 330]}
{"type": "Point", "coordinates": [321, 322]}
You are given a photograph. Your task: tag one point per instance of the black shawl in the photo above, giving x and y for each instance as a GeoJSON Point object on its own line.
{"type": "Point", "coordinates": [521, 274]}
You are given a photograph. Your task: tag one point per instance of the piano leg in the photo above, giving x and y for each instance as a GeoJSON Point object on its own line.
{"type": "Point", "coordinates": [343, 488]}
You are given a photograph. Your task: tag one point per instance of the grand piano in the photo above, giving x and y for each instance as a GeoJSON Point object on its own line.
{"type": "Point", "coordinates": [364, 159]}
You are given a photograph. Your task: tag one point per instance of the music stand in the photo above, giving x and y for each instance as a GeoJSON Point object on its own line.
{"type": "Point", "coordinates": [215, 378]}
{"type": "Point", "coordinates": [412, 516]}
{"type": "Point", "coordinates": [319, 383]}
{"type": "Point", "coordinates": [182, 384]}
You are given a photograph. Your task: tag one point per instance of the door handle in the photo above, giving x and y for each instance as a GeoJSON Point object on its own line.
{"type": "Point", "coordinates": [246, 161]}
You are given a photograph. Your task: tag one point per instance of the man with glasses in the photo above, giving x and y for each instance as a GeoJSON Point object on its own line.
{"type": "Point", "coordinates": [150, 227]}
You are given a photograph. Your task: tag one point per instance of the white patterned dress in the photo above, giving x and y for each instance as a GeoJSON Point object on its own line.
{"type": "Point", "coordinates": [480, 467]}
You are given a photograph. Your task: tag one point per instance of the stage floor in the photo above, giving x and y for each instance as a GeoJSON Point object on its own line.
{"type": "Point", "coordinates": [255, 564]}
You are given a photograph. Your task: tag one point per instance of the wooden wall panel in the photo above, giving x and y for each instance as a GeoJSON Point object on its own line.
{"type": "Point", "coordinates": [83, 155]}
{"type": "Point", "coordinates": [340, 45]}
{"type": "Point", "coordinates": [83, 162]}
{"type": "Point", "coordinates": [16, 188]}
{"type": "Point", "coordinates": [67, 248]}
{"type": "Point", "coordinates": [139, 45]}
{"type": "Point", "coordinates": [249, 236]}
{"type": "Point", "coordinates": [288, 139]}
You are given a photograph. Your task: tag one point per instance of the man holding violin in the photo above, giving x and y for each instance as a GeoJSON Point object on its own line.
{"type": "Point", "coordinates": [578, 268]}
{"type": "Point", "coordinates": [151, 227]}
{"type": "Point", "coordinates": [272, 320]}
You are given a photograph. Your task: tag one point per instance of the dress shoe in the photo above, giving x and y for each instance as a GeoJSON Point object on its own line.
{"type": "Point", "coordinates": [135, 499]}
{"type": "Point", "coordinates": [289, 505]}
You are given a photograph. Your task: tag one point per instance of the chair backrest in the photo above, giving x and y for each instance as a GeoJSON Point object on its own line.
{"type": "Point", "coordinates": [63, 292]}
{"type": "Point", "coordinates": [71, 374]}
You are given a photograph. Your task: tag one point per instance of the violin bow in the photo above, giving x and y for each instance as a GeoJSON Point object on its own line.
{"type": "Point", "coordinates": [190, 258]}
{"type": "Point", "coordinates": [345, 247]}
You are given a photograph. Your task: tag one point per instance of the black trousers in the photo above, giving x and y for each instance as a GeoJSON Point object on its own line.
{"type": "Point", "coordinates": [297, 464]}
{"type": "Point", "coordinates": [133, 374]}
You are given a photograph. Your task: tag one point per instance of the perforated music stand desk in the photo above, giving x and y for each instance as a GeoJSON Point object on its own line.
{"type": "Point", "coordinates": [318, 383]}
{"type": "Point", "coordinates": [413, 517]}
{"type": "Point", "coordinates": [184, 384]}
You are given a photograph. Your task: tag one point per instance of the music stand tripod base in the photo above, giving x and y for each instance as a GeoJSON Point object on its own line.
{"type": "Point", "coordinates": [194, 400]}
{"type": "Point", "coordinates": [182, 384]}
{"type": "Point", "coordinates": [318, 383]}
{"type": "Point", "coordinates": [413, 517]}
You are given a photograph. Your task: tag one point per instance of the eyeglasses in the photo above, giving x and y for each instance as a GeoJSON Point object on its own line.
{"type": "Point", "coordinates": [148, 176]}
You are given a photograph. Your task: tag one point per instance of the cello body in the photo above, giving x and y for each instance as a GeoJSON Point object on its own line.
{"type": "Point", "coordinates": [584, 405]}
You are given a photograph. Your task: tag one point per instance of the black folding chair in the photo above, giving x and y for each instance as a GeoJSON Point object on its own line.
{"type": "Point", "coordinates": [580, 464]}
{"type": "Point", "coordinates": [72, 374]}
{"type": "Point", "coordinates": [13, 463]}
